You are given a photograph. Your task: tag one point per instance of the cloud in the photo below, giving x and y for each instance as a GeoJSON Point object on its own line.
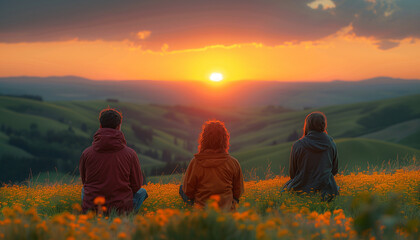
{"type": "Point", "coordinates": [143, 34]}
{"type": "Point", "coordinates": [324, 4]}
{"type": "Point", "coordinates": [387, 44]}
{"type": "Point", "coordinates": [196, 24]}
{"type": "Point", "coordinates": [164, 47]}
{"type": "Point", "coordinates": [387, 21]}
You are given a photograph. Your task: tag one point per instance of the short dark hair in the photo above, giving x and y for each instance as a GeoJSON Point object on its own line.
{"type": "Point", "coordinates": [110, 118]}
{"type": "Point", "coordinates": [214, 135]}
{"type": "Point", "coordinates": [315, 121]}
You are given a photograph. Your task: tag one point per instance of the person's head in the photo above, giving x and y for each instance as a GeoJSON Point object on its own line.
{"type": "Point", "coordinates": [214, 135]}
{"type": "Point", "coordinates": [315, 121]}
{"type": "Point", "coordinates": [110, 118]}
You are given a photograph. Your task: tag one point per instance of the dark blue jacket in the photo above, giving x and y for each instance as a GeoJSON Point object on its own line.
{"type": "Point", "coordinates": [313, 164]}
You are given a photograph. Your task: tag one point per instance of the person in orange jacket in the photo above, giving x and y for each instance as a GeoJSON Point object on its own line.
{"type": "Point", "coordinates": [213, 171]}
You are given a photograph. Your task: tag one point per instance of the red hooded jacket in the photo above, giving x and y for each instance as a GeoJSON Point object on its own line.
{"type": "Point", "coordinates": [110, 169]}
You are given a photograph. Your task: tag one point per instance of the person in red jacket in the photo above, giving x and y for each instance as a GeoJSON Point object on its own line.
{"type": "Point", "coordinates": [213, 171]}
{"type": "Point", "coordinates": [111, 170]}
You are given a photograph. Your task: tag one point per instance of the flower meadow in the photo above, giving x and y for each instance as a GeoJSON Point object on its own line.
{"type": "Point", "coordinates": [374, 205]}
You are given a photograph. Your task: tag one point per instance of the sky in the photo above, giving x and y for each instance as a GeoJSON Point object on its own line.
{"type": "Point", "coordinates": [275, 40]}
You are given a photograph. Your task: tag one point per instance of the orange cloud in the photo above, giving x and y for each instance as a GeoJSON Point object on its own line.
{"type": "Point", "coordinates": [339, 56]}
{"type": "Point", "coordinates": [144, 34]}
{"type": "Point", "coordinates": [192, 24]}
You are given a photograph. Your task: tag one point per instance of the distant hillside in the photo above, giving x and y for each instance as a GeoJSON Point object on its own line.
{"type": "Point", "coordinates": [381, 120]}
{"type": "Point", "coordinates": [38, 136]}
{"type": "Point", "coordinates": [366, 134]}
{"type": "Point", "coordinates": [55, 133]}
{"type": "Point", "coordinates": [353, 153]}
{"type": "Point", "coordinates": [406, 133]}
{"type": "Point", "coordinates": [296, 95]}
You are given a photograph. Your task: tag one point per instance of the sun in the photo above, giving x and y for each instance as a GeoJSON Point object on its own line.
{"type": "Point", "coordinates": [216, 77]}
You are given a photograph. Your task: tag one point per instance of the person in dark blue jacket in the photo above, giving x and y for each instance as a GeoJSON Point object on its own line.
{"type": "Point", "coordinates": [314, 160]}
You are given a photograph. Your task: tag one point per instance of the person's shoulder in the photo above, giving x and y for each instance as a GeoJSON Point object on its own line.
{"type": "Point", "coordinates": [193, 166]}
{"type": "Point", "coordinates": [193, 162]}
{"type": "Point", "coordinates": [331, 140]}
{"type": "Point", "coordinates": [87, 151]}
{"type": "Point", "coordinates": [130, 151]}
{"type": "Point", "coordinates": [298, 143]}
{"type": "Point", "coordinates": [234, 160]}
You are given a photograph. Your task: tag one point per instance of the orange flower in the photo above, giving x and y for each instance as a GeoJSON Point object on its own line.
{"type": "Point", "coordinates": [77, 207]}
{"type": "Point", "coordinates": [122, 235]}
{"type": "Point", "coordinates": [215, 198]}
{"type": "Point", "coordinates": [99, 200]}
{"type": "Point", "coordinates": [117, 220]}
{"type": "Point", "coordinates": [282, 232]}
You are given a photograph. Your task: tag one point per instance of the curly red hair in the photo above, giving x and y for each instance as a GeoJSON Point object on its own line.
{"type": "Point", "coordinates": [214, 135]}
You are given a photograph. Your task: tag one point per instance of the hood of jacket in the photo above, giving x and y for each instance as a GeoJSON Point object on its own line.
{"type": "Point", "coordinates": [108, 140]}
{"type": "Point", "coordinates": [211, 158]}
{"type": "Point", "coordinates": [317, 141]}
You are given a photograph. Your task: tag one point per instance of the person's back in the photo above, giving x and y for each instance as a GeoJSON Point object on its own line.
{"type": "Point", "coordinates": [111, 170]}
{"type": "Point", "coordinates": [213, 171]}
{"type": "Point", "coordinates": [313, 159]}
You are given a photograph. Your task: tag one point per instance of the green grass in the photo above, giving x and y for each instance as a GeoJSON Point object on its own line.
{"type": "Point", "coordinates": [360, 153]}
{"type": "Point", "coordinates": [396, 132]}
{"type": "Point", "coordinates": [10, 150]}
{"type": "Point", "coordinates": [412, 140]}
{"type": "Point", "coordinates": [147, 163]}
{"type": "Point", "coordinates": [165, 179]}
{"type": "Point", "coordinates": [258, 137]}
{"type": "Point", "coordinates": [47, 178]}
{"type": "Point", "coordinates": [352, 120]}
{"type": "Point", "coordinates": [21, 113]}
{"type": "Point", "coordinates": [353, 153]}
{"type": "Point", "coordinates": [23, 121]}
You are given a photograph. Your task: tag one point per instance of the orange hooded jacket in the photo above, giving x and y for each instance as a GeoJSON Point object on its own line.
{"type": "Point", "coordinates": [214, 173]}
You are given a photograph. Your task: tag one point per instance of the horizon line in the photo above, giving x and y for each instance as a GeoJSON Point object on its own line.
{"type": "Point", "coordinates": [204, 81]}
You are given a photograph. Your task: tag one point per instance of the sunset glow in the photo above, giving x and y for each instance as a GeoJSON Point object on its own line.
{"type": "Point", "coordinates": [342, 57]}
{"type": "Point", "coordinates": [216, 77]}
{"type": "Point", "coordinates": [221, 119]}
{"type": "Point", "coordinates": [286, 41]}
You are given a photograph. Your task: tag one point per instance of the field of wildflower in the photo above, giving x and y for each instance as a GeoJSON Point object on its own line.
{"type": "Point", "coordinates": [374, 205]}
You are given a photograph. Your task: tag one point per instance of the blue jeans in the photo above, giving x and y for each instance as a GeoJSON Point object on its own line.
{"type": "Point", "coordinates": [185, 197]}
{"type": "Point", "coordinates": [138, 198]}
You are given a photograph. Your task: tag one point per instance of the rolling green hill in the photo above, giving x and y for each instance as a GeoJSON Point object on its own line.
{"type": "Point", "coordinates": [344, 121]}
{"type": "Point", "coordinates": [406, 133]}
{"type": "Point", "coordinates": [159, 134]}
{"type": "Point", "coordinates": [353, 154]}
{"type": "Point", "coordinates": [21, 114]}
{"type": "Point", "coordinates": [56, 133]}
